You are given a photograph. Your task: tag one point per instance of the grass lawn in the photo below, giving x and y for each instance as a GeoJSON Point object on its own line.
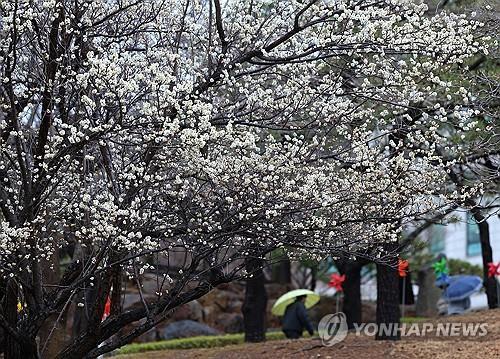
{"type": "Point", "coordinates": [353, 347]}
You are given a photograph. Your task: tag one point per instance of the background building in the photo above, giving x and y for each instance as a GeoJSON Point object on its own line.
{"type": "Point", "coordinates": [460, 239]}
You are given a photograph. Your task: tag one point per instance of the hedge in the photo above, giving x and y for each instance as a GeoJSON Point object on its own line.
{"type": "Point", "coordinates": [194, 342]}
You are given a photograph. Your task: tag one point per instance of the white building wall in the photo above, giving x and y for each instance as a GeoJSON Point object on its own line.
{"type": "Point", "coordinates": [456, 239]}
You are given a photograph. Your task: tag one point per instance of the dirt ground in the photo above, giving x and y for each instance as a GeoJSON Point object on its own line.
{"type": "Point", "coordinates": [361, 347]}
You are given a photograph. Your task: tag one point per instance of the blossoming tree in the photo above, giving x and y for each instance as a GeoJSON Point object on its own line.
{"type": "Point", "coordinates": [185, 137]}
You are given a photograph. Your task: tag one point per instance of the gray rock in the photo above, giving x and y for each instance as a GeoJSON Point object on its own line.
{"type": "Point", "coordinates": [196, 311]}
{"type": "Point", "coordinates": [133, 300]}
{"type": "Point", "coordinates": [185, 329]}
{"type": "Point", "coordinates": [230, 322]}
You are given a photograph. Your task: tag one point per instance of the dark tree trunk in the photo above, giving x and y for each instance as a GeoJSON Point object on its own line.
{"type": "Point", "coordinates": [255, 304]}
{"type": "Point", "coordinates": [314, 275]}
{"type": "Point", "coordinates": [428, 293]}
{"type": "Point", "coordinates": [16, 348]}
{"type": "Point", "coordinates": [82, 316]}
{"type": "Point", "coordinates": [388, 314]}
{"type": "Point", "coordinates": [352, 306]}
{"type": "Point", "coordinates": [12, 347]}
{"type": "Point", "coordinates": [490, 284]}
{"type": "Point", "coordinates": [281, 272]}
{"type": "Point", "coordinates": [88, 317]}
{"type": "Point", "coordinates": [52, 333]}
{"type": "Point", "coordinates": [116, 293]}
{"type": "Point", "coordinates": [406, 288]}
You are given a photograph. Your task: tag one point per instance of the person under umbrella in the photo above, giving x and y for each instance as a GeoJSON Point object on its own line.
{"type": "Point", "coordinates": [457, 288]}
{"type": "Point", "coordinates": [457, 291]}
{"type": "Point", "coordinates": [292, 306]}
{"type": "Point", "coordinates": [296, 319]}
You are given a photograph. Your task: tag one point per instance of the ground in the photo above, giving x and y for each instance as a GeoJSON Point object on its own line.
{"type": "Point", "coordinates": [362, 347]}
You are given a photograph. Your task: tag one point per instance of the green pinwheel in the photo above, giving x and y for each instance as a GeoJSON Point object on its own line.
{"type": "Point", "coordinates": [440, 267]}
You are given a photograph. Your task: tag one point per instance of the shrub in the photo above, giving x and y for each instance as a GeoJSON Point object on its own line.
{"type": "Point", "coordinates": [194, 342]}
{"type": "Point", "coordinates": [458, 266]}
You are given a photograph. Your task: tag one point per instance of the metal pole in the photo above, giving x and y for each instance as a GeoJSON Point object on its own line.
{"type": "Point", "coordinates": [404, 297]}
{"type": "Point", "coordinates": [498, 293]}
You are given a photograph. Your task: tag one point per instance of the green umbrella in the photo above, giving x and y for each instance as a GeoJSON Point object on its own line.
{"type": "Point", "coordinates": [288, 298]}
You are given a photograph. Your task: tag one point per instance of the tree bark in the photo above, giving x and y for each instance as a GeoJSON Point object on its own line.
{"type": "Point", "coordinates": [388, 313]}
{"type": "Point", "coordinates": [255, 304]}
{"type": "Point", "coordinates": [20, 347]}
{"type": "Point", "coordinates": [409, 297]}
{"type": "Point", "coordinates": [81, 317]}
{"type": "Point", "coordinates": [282, 272]}
{"type": "Point", "coordinates": [487, 254]}
{"type": "Point", "coordinates": [428, 294]}
{"type": "Point", "coordinates": [12, 347]}
{"type": "Point", "coordinates": [352, 305]}
{"type": "Point", "coordinates": [52, 333]}
{"type": "Point", "coordinates": [314, 275]}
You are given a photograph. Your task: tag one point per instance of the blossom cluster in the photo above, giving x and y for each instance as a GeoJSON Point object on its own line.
{"type": "Point", "coordinates": [143, 127]}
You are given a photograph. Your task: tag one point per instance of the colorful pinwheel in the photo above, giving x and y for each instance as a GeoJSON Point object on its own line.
{"type": "Point", "coordinates": [107, 309]}
{"type": "Point", "coordinates": [403, 267]}
{"type": "Point", "coordinates": [441, 268]}
{"type": "Point", "coordinates": [493, 269]}
{"type": "Point", "coordinates": [403, 272]}
{"type": "Point", "coordinates": [336, 281]}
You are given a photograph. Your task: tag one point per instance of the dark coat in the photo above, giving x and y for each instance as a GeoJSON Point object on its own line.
{"type": "Point", "coordinates": [296, 318]}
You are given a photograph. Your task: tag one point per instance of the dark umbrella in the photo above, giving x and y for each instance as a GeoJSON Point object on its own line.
{"type": "Point", "coordinates": [461, 287]}
{"type": "Point", "coordinates": [457, 290]}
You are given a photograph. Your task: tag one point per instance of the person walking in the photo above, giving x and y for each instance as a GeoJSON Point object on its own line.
{"type": "Point", "coordinates": [296, 319]}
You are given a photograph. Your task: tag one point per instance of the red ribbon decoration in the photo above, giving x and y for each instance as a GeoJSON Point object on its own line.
{"type": "Point", "coordinates": [403, 267]}
{"type": "Point", "coordinates": [336, 282]}
{"type": "Point", "coordinates": [493, 269]}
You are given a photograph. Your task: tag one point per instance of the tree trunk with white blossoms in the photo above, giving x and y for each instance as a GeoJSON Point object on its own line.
{"type": "Point", "coordinates": [388, 312]}
{"type": "Point", "coordinates": [352, 305]}
{"type": "Point", "coordinates": [254, 307]}
{"type": "Point", "coordinates": [176, 137]}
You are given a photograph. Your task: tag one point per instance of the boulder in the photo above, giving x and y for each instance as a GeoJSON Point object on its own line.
{"type": "Point", "coordinates": [220, 301]}
{"type": "Point", "coordinates": [221, 297]}
{"type": "Point", "coordinates": [192, 310]}
{"type": "Point", "coordinates": [149, 336]}
{"type": "Point", "coordinates": [216, 297]}
{"type": "Point", "coordinates": [272, 321]}
{"type": "Point", "coordinates": [235, 287]}
{"type": "Point", "coordinates": [234, 306]}
{"type": "Point", "coordinates": [149, 282]}
{"type": "Point", "coordinates": [276, 290]}
{"type": "Point", "coordinates": [185, 329]}
{"type": "Point", "coordinates": [196, 311]}
{"type": "Point", "coordinates": [230, 322]}
{"type": "Point", "coordinates": [133, 300]}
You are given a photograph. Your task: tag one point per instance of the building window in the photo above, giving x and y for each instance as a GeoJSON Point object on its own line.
{"type": "Point", "coordinates": [436, 239]}
{"type": "Point", "coordinates": [473, 240]}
